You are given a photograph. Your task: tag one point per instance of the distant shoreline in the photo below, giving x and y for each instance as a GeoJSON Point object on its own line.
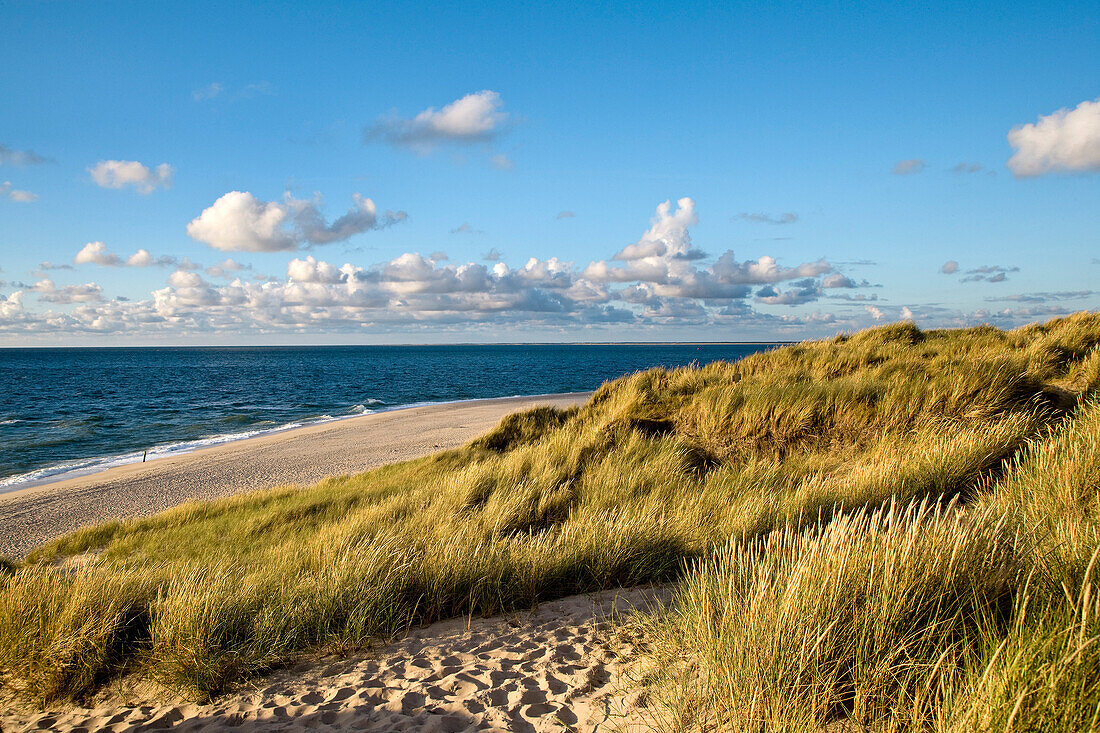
{"type": "Point", "coordinates": [96, 407]}
{"type": "Point", "coordinates": [60, 473]}
{"type": "Point", "coordinates": [302, 456]}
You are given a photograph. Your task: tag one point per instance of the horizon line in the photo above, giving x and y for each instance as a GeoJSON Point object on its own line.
{"type": "Point", "coordinates": [403, 344]}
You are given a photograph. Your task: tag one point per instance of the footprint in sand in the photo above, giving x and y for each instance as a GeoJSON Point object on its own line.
{"type": "Point", "coordinates": [551, 669]}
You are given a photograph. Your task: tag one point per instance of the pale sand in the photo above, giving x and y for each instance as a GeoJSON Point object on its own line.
{"type": "Point", "coordinates": [557, 668]}
{"type": "Point", "coordinates": [302, 457]}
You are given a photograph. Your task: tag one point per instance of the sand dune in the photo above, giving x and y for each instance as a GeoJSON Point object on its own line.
{"type": "Point", "coordinates": [304, 456]}
{"type": "Point", "coordinates": [556, 668]}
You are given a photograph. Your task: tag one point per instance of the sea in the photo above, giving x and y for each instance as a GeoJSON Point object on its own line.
{"type": "Point", "coordinates": [70, 411]}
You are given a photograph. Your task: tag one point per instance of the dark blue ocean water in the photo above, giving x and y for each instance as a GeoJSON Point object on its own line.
{"type": "Point", "coordinates": [65, 410]}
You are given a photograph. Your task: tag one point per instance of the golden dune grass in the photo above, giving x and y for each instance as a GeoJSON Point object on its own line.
{"type": "Point", "coordinates": [789, 476]}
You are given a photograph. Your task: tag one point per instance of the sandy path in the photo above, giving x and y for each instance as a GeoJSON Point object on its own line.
{"type": "Point", "coordinates": [556, 668]}
{"type": "Point", "coordinates": [303, 456]}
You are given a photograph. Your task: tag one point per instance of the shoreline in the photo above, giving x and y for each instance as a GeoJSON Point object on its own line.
{"type": "Point", "coordinates": [33, 515]}
{"type": "Point", "coordinates": [59, 473]}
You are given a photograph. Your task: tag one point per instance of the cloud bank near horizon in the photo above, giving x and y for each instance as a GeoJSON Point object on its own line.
{"type": "Point", "coordinates": [660, 280]}
{"type": "Point", "coordinates": [660, 283]}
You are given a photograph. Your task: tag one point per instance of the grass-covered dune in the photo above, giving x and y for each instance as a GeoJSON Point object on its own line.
{"type": "Point", "coordinates": [895, 528]}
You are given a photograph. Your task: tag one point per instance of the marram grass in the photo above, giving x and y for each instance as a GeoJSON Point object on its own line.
{"type": "Point", "coordinates": [931, 616]}
{"type": "Point", "coordinates": [893, 529]}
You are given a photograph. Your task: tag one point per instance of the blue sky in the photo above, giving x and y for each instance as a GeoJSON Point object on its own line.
{"type": "Point", "coordinates": [843, 153]}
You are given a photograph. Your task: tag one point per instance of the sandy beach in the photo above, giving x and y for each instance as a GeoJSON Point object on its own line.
{"type": "Point", "coordinates": [559, 667]}
{"type": "Point", "coordinates": [302, 456]}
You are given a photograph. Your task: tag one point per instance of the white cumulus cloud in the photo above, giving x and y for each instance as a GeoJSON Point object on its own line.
{"type": "Point", "coordinates": [185, 279]}
{"type": "Point", "coordinates": [836, 280]}
{"type": "Point", "coordinates": [11, 306]}
{"type": "Point", "coordinates": [661, 263]}
{"type": "Point", "coordinates": [667, 234]}
{"type": "Point", "coordinates": [1066, 140]}
{"type": "Point", "coordinates": [765, 269]}
{"type": "Point", "coordinates": [141, 258]}
{"type": "Point", "coordinates": [95, 253]}
{"type": "Point", "coordinates": [475, 117]}
{"type": "Point", "coordinates": [309, 270]}
{"type": "Point", "coordinates": [122, 173]}
{"type": "Point", "coordinates": [238, 221]}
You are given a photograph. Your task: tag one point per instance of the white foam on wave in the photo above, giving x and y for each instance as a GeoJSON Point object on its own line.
{"type": "Point", "coordinates": [12, 421]}
{"type": "Point", "coordinates": [364, 406]}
